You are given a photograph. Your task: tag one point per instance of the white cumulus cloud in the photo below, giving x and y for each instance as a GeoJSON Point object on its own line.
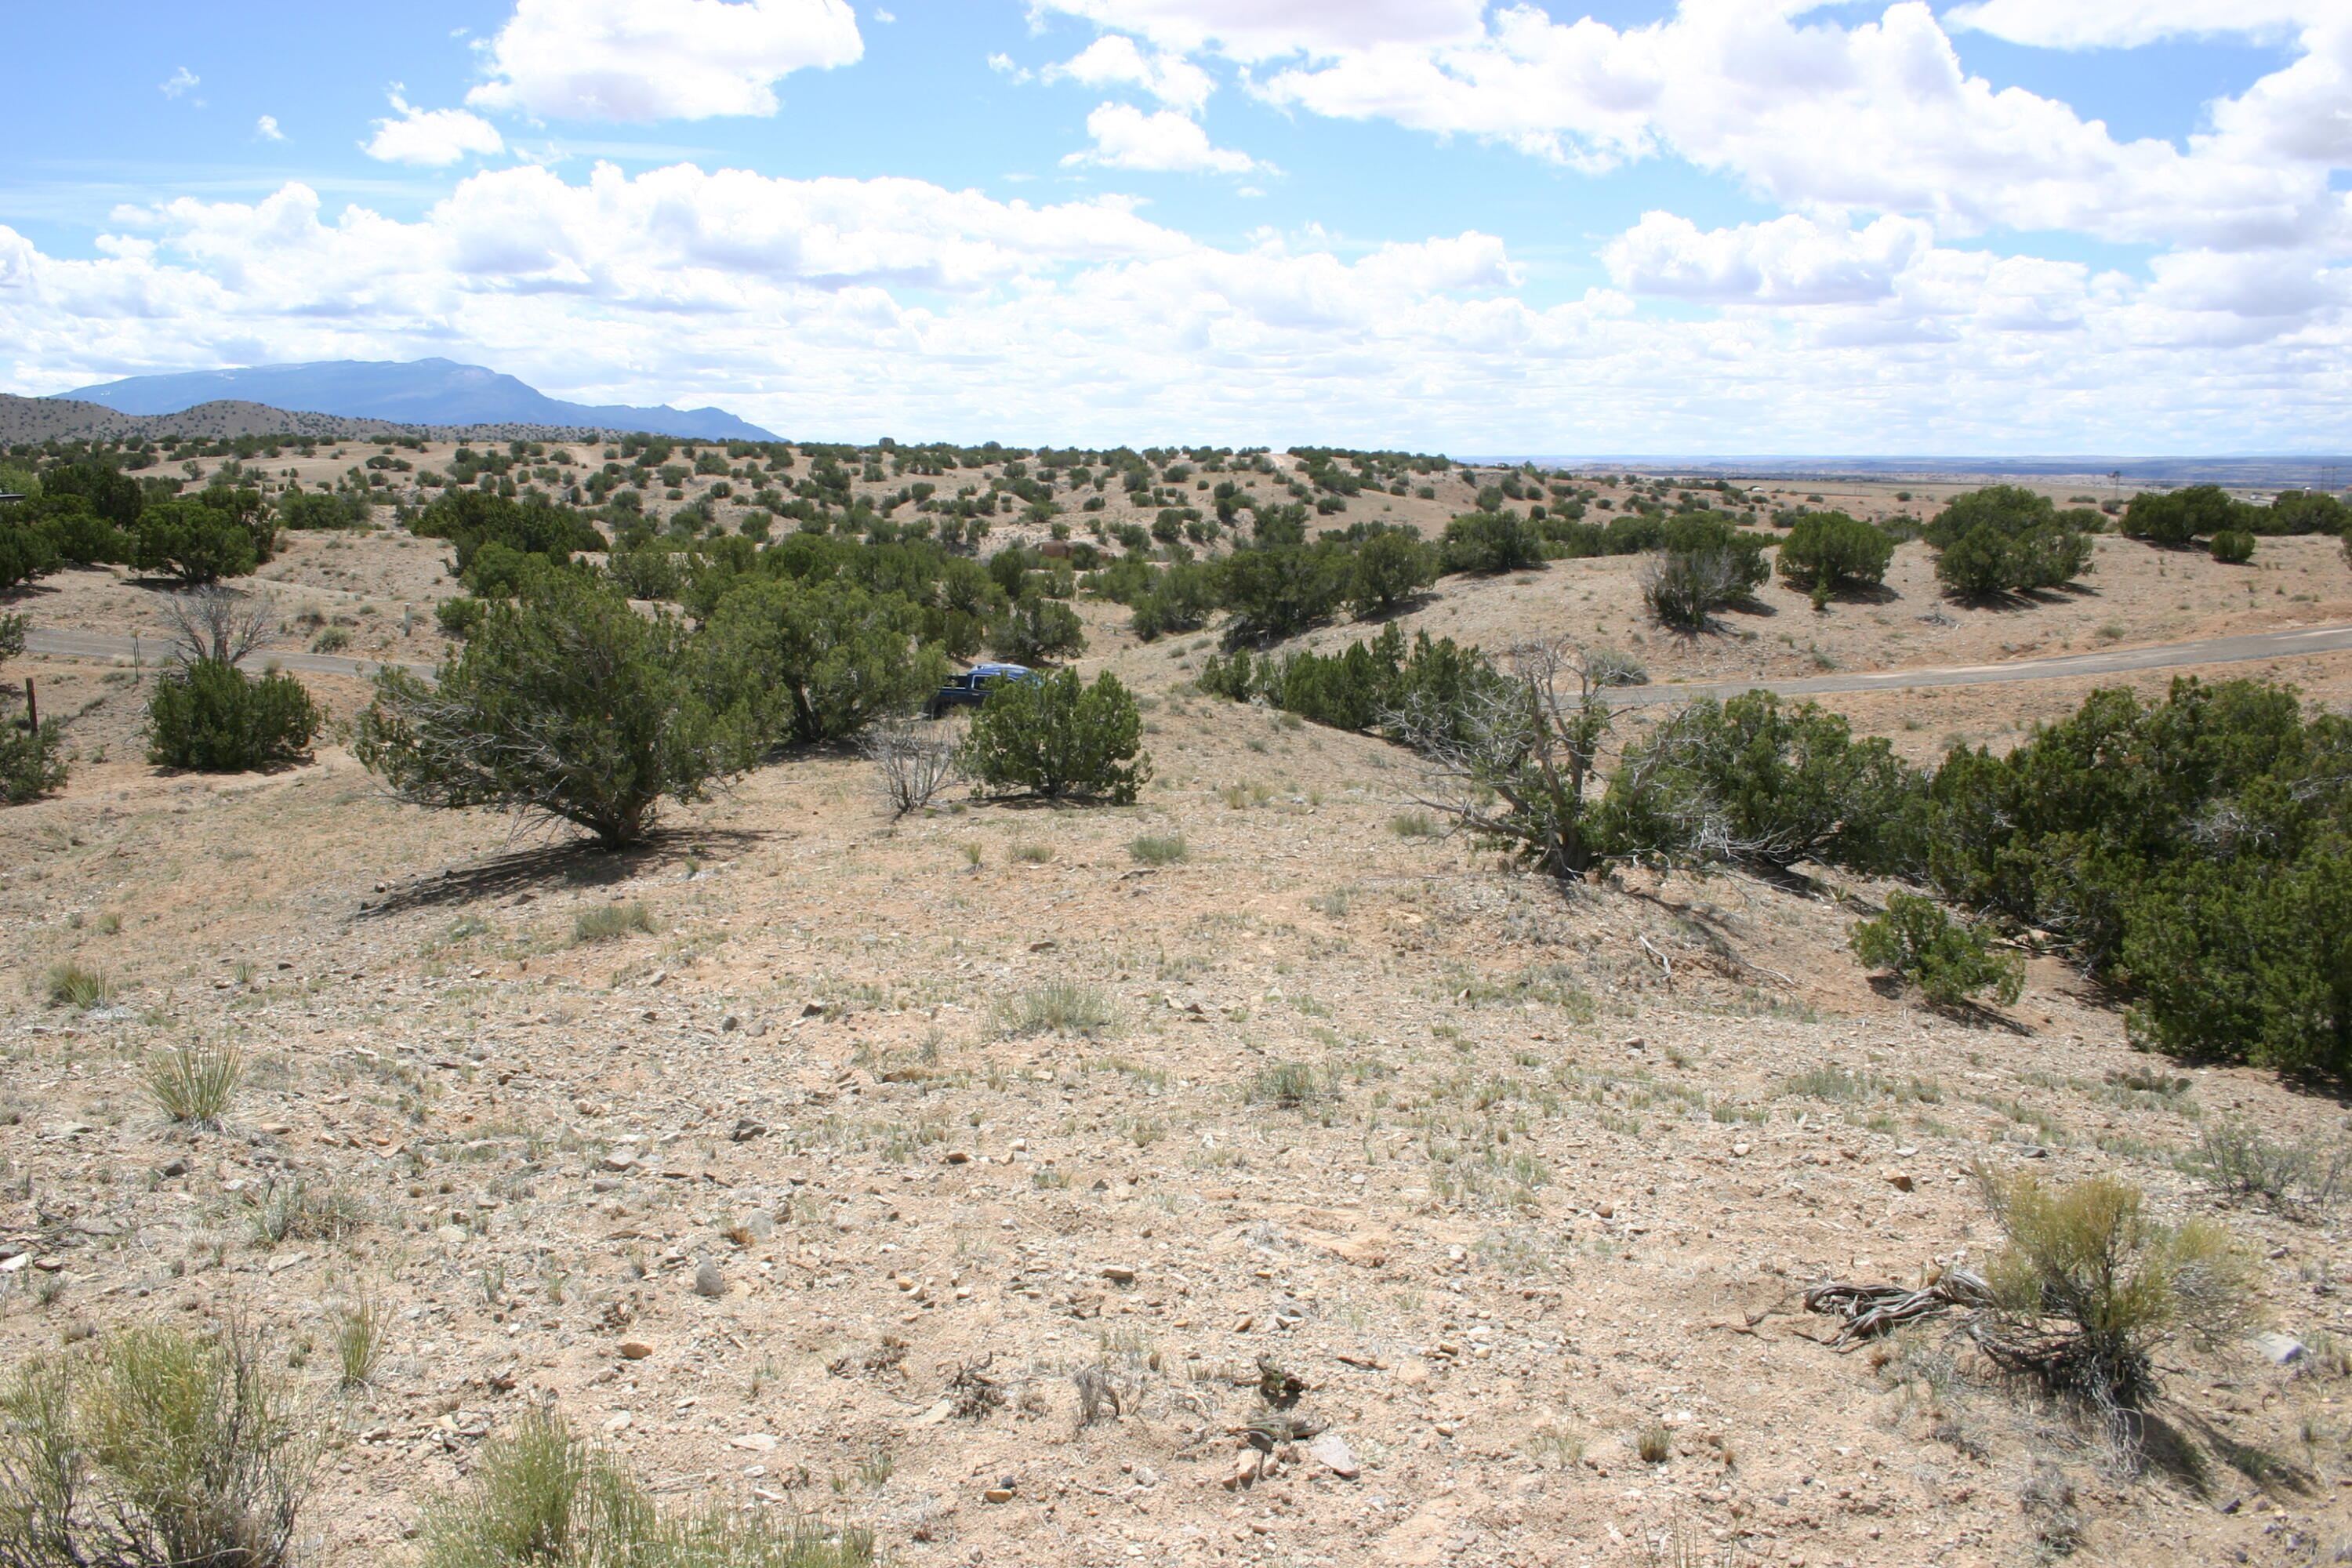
{"type": "Point", "coordinates": [845, 308]}
{"type": "Point", "coordinates": [2122, 23]}
{"type": "Point", "coordinates": [1114, 59]}
{"type": "Point", "coordinates": [266, 129]}
{"type": "Point", "coordinates": [180, 83]}
{"type": "Point", "coordinates": [641, 60]}
{"type": "Point", "coordinates": [1161, 143]}
{"type": "Point", "coordinates": [434, 138]}
{"type": "Point", "coordinates": [1267, 29]}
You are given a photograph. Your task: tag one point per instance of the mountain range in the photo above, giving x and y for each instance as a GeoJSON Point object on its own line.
{"type": "Point", "coordinates": [413, 392]}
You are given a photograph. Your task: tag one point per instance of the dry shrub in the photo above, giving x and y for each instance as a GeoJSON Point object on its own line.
{"type": "Point", "coordinates": [2091, 1284]}
{"type": "Point", "coordinates": [1057, 1007]}
{"type": "Point", "coordinates": [913, 761]}
{"type": "Point", "coordinates": [151, 1448]}
{"type": "Point", "coordinates": [608, 922]}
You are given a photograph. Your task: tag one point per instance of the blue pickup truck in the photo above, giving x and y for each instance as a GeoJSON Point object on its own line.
{"type": "Point", "coordinates": [971, 688]}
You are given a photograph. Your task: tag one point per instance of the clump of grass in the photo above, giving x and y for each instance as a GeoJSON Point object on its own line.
{"type": "Point", "coordinates": [293, 1210]}
{"type": "Point", "coordinates": [2237, 1160]}
{"type": "Point", "coordinates": [76, 986]}
{"type": "Point", "coordinates": [1033, 854]}
{"type": "Point", "coordinates": [359, 1332]}
{"type": "Point", "coordinates": [1834, 1082]}
{"type": "Point", "coordinates": [1160, 851]}
{"type": "Point", "coordinates": [608, 922]}
{"type": "Point", "coordinates": [1057, 1007]}
{"type": "Point", "coordinates": [543, 1498]}
{"type": "Point", "coordinates": [1286, 1084]}
{"type": "Point", "coordinates": [1414, 825]}
{"type": "Point", "coordinates": [150, 1447]}
{"type": "Point", "coordinates": [1654, 1443]}
{"type": "Point", "coordinates": [2091, 1284]}
{"type": "Point", "coordinates": [194, 1082]}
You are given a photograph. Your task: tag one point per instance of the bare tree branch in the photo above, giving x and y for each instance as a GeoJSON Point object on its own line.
{"type": "Point", "coordinates": [217, 624]}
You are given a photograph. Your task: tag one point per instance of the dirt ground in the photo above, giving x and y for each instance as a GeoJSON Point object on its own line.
{"type": "Point", "coordinates": [1556, 1170]}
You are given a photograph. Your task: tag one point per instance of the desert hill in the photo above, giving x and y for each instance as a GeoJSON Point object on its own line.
{"type": "Point", "coordinates": [820, 1162]}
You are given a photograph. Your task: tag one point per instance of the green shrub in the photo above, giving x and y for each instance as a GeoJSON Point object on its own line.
{"type": "Point", "coordinates": [2004, 539]}
{"type": "Point", "coordinates": [1160, 851]}
{"type": "Point", "coordinates": [2232, 547]}
{"type": "Point", "coordinates": [1831, 550]}
{"type": "Point", "coordinates": [218, 534]}
{"type": "Point", "coordinates": [459, 616]}
{"type": "Point", "coordinates": [1490, 542]}
{"type": "Point", "coordinates": [1684, 588]}
{"type": "Point", "coordinates": [1276, 590]}
{"type": "Point", "coordinates": [565, 705]}
{"type": "Point", "coordinates": [542, 1498]}
{"type": "Point", "coordinates": [1038, 630]}
{"type": "Point", "coordinates": [211, 716]}
{"type": "Point", "coordinates": [2191, 850]}
{"type": "Point", "coordinates": [1180, 599]}
{"type": "Point", "coordinates": [12, 634]}
{"type": "Point", "coordinates": [196, 1082]}
{"type": "Point", "coordinates": [821, 661]}
{"type": "Point", "coordinates": [1950, 963]}
{"type": "Point", "coordinates": [1056, 736]}
{"type": "Point", "coordinates": [152, 1447]}
{"type": "Point", "coordinates": [2176, 517]}
{"type": "Point", "coordinates": [606, 922]}
{"type": "Point", "coordinates": [470, 519]}
{"type": "Point", "coordinates": [32, 761]}
{"type": "Point", "coordinates": [1391, 567]}
{"type": "Point", "coordinates": [1760, 780]}
{"type": "Point", "coordinates": [317, 510]}
{"type": "Point", "coordinates": [2091, 1284]}
{"type": "Point", "coordinates": [27, 550]}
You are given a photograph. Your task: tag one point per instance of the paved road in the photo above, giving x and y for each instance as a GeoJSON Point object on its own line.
{"type": "Point", "coordinates": [158, 650]}
{"type": "Point", "coordinates": [2120, 661]}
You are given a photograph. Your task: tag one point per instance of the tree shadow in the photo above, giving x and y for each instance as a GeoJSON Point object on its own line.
{"type": "Point", "coordinates": [574, 863]}
{"type": "Point", "coordinates": [2258, 1464]}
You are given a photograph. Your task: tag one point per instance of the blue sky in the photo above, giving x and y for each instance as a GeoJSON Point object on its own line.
{"type": "Point", "coordinates": [2017, 226]}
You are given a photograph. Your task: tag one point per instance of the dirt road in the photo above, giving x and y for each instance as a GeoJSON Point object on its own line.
{"type": "Point", "coordinates": [156, 651]}
{"type": "Point", "coordinates": [2248, 648]}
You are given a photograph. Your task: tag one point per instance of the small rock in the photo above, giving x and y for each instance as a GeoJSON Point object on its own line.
{"type": "Point", "coordinates": [811, 1009]}
{"type": "Point", "coordinates": [756, 1442]}
{"type": "Point", "coordinates": [1900, 1180]}
{"type": "Point", "coordinates": [2280, 1350]}
{"type": "Point", "coordinates": [746, 1129]}
{"type": "Point", "coordinates": [1002, 1492]}
{"type": "Point", "coordinates": [619, 1423]}
{"type": "Point", "coordinates": [709, 1281]}
{"type": "Point", "coordinates": [620, 1159]}
{"type": "Point", "coordinates": [2034, 1152]}
{"type": "Point", "coordinates": [635, 1350]}
{"type": "Point", "coordinates": [1330, 1451]}
{"type": "Point", "coordinates": [1120, 1275]}
{"type": "Point", "coordinates": [959, 1156]}
{"type": "Point", "coordinates": [1741, 1150]}
{"type": "Point", "coordinates": [454, 1235]}
{"type": "Point", "coordinates": [757, 1226]}
{"type": "Point", "coordinates": [729, 1024]}
{"type": "Point", "coordinates": [1247, 1466]}
{"type": "Point", "coordinates": [177, 1166]}
{"type": "Point", "coordinates": [275, 1129]}
{"type": "Point", "coordinates": [1607, 1211]}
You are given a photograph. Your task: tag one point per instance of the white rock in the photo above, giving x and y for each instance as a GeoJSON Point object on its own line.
{"type": "Point", "coordinates": [1330, 1451]}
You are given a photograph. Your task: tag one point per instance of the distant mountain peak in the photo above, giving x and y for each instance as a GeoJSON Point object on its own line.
{"type": "Point", "coordinates": [411, 391]}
